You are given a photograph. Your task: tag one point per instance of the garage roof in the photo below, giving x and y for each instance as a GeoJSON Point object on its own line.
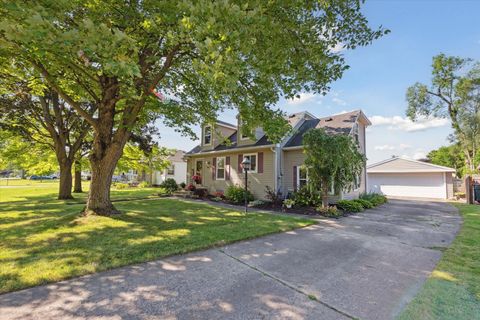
{"type": "Point", "coordinates": [400, 164]}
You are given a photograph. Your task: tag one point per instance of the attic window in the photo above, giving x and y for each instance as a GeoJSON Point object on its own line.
{"type": "Point", "coordinates": [207, 135]}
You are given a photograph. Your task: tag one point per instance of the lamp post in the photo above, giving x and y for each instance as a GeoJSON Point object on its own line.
{"type": "Point", "coordinates": [246, 167]}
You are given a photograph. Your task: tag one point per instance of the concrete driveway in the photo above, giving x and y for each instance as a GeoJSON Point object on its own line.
{"type": "Point", "coordinates": [367, 266]}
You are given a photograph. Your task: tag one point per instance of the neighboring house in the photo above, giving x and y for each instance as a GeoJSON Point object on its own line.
{"type": "Point", "coordinates": [279, 166]}
{"type": "Point", "coordinates": [177, 169]}
{"type": "Point", "coordinates": [402, 177]}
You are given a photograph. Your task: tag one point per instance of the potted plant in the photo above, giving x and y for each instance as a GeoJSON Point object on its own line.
{"type": "Point", "coordinates": [288, 203]}
{"type": "Point", "coordinates": [197, 179]}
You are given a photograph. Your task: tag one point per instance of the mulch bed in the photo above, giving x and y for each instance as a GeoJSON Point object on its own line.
{"type": "Point", "coordinates": [308, 211]}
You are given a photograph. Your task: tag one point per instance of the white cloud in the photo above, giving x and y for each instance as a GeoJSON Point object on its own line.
{"type": "Point", "coordinates": [401, 146]}
{"type": "Point", "coordinates": [339, 47]}
{"type": "Point", "coordinates": [339, 101]}
{"type": "Point", "coordinates": [304, 97]}
{"type": "Point", "coordinates": [405, 124]}
{"type": "Point", "coordinates": [384, 147]}
{"type": "Point", "coordinates": [419, 155]}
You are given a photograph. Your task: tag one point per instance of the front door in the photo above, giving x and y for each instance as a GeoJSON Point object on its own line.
{"type": "Point", "coordinates": [199, 168]}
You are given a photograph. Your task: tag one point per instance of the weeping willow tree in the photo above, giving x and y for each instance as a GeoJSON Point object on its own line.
{"type": "Point", "coordinates": [333, 162]}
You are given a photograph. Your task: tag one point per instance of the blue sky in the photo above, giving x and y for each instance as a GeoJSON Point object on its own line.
{"type": "Point", "coordinates": [380, 74]}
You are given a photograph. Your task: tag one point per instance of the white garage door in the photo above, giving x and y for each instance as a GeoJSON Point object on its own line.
{"type": "Point", "coordinates": [423, 185]}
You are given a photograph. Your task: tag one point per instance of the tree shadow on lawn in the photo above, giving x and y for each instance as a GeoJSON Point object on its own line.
{"type": "Point", "coordinates": [52, 242]}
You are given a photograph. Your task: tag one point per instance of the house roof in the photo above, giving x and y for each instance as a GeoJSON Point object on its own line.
{"type": "Point", "coordinates": [405, 165]}
{"type": "Point", "coordinates": [263, 141]}
{"type": "Point", "coordinates": [336, 124]}
{"type": "Point", "coordinates": [226, 124]}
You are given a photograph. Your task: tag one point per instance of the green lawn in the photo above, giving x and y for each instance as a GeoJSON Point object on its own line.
{"type": "Point", "coordinates": [44, 240]}
{"type": "Point", "coordinates": [453, 289]}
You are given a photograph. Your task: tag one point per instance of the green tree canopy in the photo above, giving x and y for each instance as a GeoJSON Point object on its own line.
{"type": "Point", "coordinates": [202, 56]}
{"type": "Point", "coordinates": [449, 156]}
{"type": "Point", "coordinates": [454, 93]}
{"type": "Point", "coordinates": [331, 160]}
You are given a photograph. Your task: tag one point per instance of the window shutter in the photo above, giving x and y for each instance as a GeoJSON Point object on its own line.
{"type": "Point", "coordinates": [295, 178]}
{"type": "Point", "coordinates": [240, 159]}
{"type": "Point", "coordinates": [227, 168]}
{"type": "Point", "coordinates": [260, 162]}
{"type": "Point", "coordinates": [214, 165]}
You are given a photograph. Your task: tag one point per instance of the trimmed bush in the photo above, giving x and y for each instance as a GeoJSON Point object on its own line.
{"type": "Point", "coordinates": [375, 198]}
{"type": "Point", "coordinates": [304, 198]}
{"type": "Point", "coordinates": [162, 192]}
{"type": "Point", "coordinates": [120, 185]}
{"type": "Point", "coordinates": [350, 206]}
{"type": "Point", "coordinates": [236, 195]}
{"type": "Point", "coordinates": [182, 185]}
{"type": "Point", "coordinates": [330, 211]}
{"type": "Point", "coordinates": [144, 184]}
{"type": "Point", "coordinates": [170, 184]}
{"type": "Point", "coordinates": [365, 203]}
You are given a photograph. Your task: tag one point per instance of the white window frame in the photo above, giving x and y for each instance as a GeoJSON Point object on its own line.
{"type": "Point", "coordinates": [298, 176]}
{"type": "Point", "coordinates": [211, 135]}
{"type": "Point", "coordinates": [172, 168]}
{"type": "Point", "coordinates": [331, 192]}
{"type": "Point", "coordinates": [224, 168]}
{"type": "Point", "coordinates": [256, 161]}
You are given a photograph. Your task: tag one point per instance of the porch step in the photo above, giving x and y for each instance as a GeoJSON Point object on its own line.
{"type": "Point", "coordinates": [183, 193]}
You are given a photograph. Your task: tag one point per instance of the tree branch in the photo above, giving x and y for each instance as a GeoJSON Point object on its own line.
{"type": "Point", "coordinates": [89, 118]}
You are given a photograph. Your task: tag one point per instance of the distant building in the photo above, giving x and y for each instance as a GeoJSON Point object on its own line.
{"type": "Point", "coordinates": [177, 170]}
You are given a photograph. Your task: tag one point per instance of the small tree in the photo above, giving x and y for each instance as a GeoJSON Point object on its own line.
{"type": "Point", "coordinates": [331, 160]}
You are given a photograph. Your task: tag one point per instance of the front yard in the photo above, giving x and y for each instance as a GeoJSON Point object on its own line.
{"type": "Point", "coordinates": [453, 289]}
{"type": "Point", "coordinates": [45, 240]}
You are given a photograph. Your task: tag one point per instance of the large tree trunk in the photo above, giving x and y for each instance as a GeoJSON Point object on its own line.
{"type": "Point", "coordinates": [65, 188]}
{"type": "Point", "coordinates": [77, 188]}
{"type": "Point", "coordinates": [99, 202]}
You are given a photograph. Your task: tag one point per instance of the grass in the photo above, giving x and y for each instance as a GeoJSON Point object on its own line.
{"type": "Point", "coordinates": [44, 240]}
{"type": "Point", "coordinates": [453, 289]}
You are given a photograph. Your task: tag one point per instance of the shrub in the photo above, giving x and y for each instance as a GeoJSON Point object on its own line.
{"type": "Point", "coordinates": [170, 184]}
{"type": "Point", "coordinates": [350, 206]}
{"type": "Point", "coordinates": [182, 185]}
{"type": "Point", "coordinates": [366, 204]}
{"type": "Point", "coordinates": [236, 194]}
{"type": "Point", "coordinates": [162, 192]}
{"type": "Point", "coordinates": [200, 193]}
{"type": "Point", "coordinates": [219, 194]}
{"type": "Point", "coordinates": [191, 187]}
{"type": "Point", "coordinates": [304, 198]}
{"type": "Point", "coordinates": [375, 198]}
{"type": "Point", "coordinates": [144, 184]}
{"type": "Point", "coordinates": [120, 185]}
{"type": "Point", "coordinates": [330, 211]}
{"type": "Point", "coordinates": [273, 196]}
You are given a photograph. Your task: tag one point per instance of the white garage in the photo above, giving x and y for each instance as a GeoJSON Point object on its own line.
{"type": "Point", "coordinates": [401, 177]}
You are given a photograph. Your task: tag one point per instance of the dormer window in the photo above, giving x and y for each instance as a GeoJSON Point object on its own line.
{"type": "Point", "coordinates": [207, 135]}
{"type": "Point", "coordinates": [243, 133]}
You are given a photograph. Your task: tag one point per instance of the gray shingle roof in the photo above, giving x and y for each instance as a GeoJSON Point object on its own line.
{"type": "Point", "coordinates": [336, 124]}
